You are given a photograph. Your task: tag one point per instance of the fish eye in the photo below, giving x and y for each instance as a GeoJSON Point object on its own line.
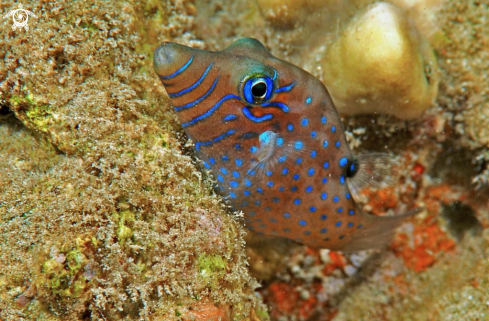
{"type": "Point", "coordinates": [257, 90]}
{"type": "Point", "coordinates": [352, 167]}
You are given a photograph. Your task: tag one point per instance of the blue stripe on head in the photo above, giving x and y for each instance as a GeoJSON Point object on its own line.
{"type": "Point", "coordinates": [198, 100]}
{"type": "Point", "coordinates": [195, 85]}
{"type": "Point", "coordinates": [230, 117]}
{"type": "Point", "coordinates": [179, 70]}
{"type": "Point", "coordinates": [285, 88]}
{"type": "Point", "coordinates": [210, 111]}
{"type": "Point", "coordinates": [282, 106]}
{"type": "Point", "coordinates": [255, 119]}
{"type": "Point", "coordinates": [214, 140]}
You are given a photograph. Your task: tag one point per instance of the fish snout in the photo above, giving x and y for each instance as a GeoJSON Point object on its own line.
{"type": "Point", "coordinates": [171, 59]}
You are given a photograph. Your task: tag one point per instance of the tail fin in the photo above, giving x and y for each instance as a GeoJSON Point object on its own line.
{"type": "Point", "coordinates": [377, 231]}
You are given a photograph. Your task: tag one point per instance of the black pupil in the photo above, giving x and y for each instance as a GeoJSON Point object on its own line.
{"type": "Point", "coordinates": [352, 168]}
{"type": "Point", "coordinates": [259, 89]}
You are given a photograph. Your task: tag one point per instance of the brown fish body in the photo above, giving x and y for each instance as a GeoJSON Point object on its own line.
{"type": "Point", "coordinates": [269, 132]}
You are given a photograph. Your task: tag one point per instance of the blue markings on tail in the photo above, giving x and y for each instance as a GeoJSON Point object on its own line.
{"type": "Point", "coordinates": [179, 71]}
{"type": "Point", "coordinates": [195, 85]}
{"type": "Point", "coordinates": [255, 119]}
{"type": "Point", "coordinates": [210, 111]}
{"type": "Point", "coordinates": [214, 140]}
{"type": "Point", "coordinates": [198, 100]}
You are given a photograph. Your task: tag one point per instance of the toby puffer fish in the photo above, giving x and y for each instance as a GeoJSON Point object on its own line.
{"type": "Point", "coordinates": [273, 140]}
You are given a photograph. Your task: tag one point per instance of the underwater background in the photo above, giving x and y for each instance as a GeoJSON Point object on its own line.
{"type": "Point", "coordinates": [106, 213]}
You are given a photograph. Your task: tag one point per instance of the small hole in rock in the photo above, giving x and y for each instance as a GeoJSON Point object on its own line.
{"type": "Point", "coordinates": [4, 109]}
{"type": "Point", "coordinates": [461, 219]}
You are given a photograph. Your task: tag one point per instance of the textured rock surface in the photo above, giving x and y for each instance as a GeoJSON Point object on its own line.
{"type": "Point", "coordinates": [103, 216]}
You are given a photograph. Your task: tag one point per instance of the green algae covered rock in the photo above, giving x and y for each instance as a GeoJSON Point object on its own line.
{"type": "Point", "coordinates": [102, 216]}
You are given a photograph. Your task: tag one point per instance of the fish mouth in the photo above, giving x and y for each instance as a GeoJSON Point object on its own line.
{"type": "Point", "coordinates": [171, 60]}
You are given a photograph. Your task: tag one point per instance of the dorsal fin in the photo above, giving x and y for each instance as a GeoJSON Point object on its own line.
{"type": "Point", "coordinates": [248, 47]}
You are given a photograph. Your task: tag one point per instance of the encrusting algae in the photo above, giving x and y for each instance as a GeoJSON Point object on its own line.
{"type": "Point", "coordinates": [107, 219]}
{"type": "Point", "coordinates": [106, 215]}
